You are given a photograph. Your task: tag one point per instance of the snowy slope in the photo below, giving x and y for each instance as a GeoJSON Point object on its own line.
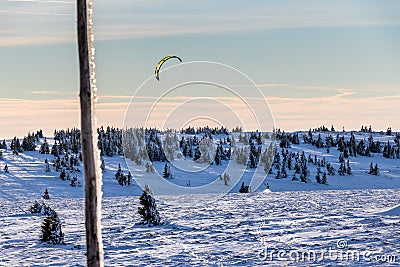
{"type": "Point", "coordinates": [234, 231]}
{"type": "Point", "coordinates": [209, 229]}
{"type": "Point", "coordinates": [27, 177]}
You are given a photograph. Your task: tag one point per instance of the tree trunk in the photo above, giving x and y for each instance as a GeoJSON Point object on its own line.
{"type": "Point", "coordinates": [94, 247]}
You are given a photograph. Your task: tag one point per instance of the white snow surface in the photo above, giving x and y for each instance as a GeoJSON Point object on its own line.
{"type": "Point", "coordinates": [232, 231]}
{"type": "Point", "coordinates": [209, 229]}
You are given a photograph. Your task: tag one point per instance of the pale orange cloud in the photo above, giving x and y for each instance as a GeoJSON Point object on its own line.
{"type": "Point", "coordinates": [18, 116]}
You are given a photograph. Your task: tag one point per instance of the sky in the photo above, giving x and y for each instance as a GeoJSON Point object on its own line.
{"type": "Point", "coordinates": [315, 62]}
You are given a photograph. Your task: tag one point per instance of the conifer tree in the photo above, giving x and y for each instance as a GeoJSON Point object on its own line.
{"type": "Point", "coordinates": [103, 165]}
{"type": "Point", "coordinates": [3, 145]}
{"type": "Point", "coordinates": [244, 188]}
{"type": "Point", "coordinates": [330, 169]}
{"type": "Point", "coordinates": [283, 170]}
{"type": "Point", "coordinates": [278, 174]}
{"type": "Point", "coordinates": [341, 158]}
{"type": "Point", "coordinates": [44, 148]}
{"type": "Point", "coordinates": [129, 178]}
{"type": "Point", "coordinates": [46, 194]}
{"type": "Point", "coordinates": [226, 178]}
{"type": "Point", "coordinates": [346, 153]}
{"type": "Point", "coordinates": [218, 156]}
{"type": "Point", "coordinates": [166, 172]}
{"type": "Point", "coordinates": [46, 210]}
{"type": "Point", "coordinates": [51, 230]}
{"type": "Point", "coordinates": [35, 208]}
{"type": "Point", "coordinates": [348, 169]}
{"type": "Point", "coordinates": [63, 175]}
{"type": "Point", "coordinates": [74, 182]}
{"type": "Point", "coordinates": [318, 178]}
{"type": "Point", "coordinates": [197, 154]}
{"type": "Point", "coordinates": [304, 172]}
{"type": "Point", "coordinates": [5, 169]}
{"type": "Point", "coordinates": [376, 169]}
{"type": "Point", "coordinates": [148, 211]}
{"type": "Point", "coordinates": [373, 170]}
{"type": "Point", "coordinates": [47, 167]}
{"type": "Point", "coordinates": [323, 179]}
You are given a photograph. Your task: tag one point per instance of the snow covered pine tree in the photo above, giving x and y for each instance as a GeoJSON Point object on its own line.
{"type": "Point", "coordinates": [51, 230]}
{"type": "Point", "coordinates": [148, 211]}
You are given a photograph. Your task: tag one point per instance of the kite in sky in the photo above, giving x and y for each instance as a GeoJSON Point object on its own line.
{"type": "Point", "coordinates": [162, 62]}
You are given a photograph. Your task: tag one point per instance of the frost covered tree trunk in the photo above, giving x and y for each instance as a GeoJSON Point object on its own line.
{"type": "Point", "coordinates": [94, 247]}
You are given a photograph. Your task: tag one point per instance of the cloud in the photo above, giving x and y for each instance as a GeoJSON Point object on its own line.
{"type": "Point", "coordinates": [114, 97]}
{"type": "Point", "coordinates": [343, 93]}
{"type": "Point", "coordinates": [22, 115]}
{"type": "Point", "coordinates": [54, 92]}
{"type": "Point", "coordinates": [264, 85]}
{"type": "Point", "coordinates": [140, 19]}
{"type": "Point", "coordinates": [35, 13]}
{"type": "Point", "coordinates": [43, 1]}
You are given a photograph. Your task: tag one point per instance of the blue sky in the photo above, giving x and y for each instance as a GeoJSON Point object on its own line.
{"type": "Point", "coordinates": [308, 57]}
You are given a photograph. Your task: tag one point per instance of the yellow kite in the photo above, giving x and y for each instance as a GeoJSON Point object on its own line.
{"type": "Point", "coordinates": [162, 62]}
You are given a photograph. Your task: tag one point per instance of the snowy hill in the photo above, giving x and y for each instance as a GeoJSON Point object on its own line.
{"type": "Point", "coordinates": [349, 214]}
{"type": "Point", "coordinates": [27, 178]}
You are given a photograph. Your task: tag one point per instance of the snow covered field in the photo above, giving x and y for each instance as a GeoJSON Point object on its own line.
{"type": "Point", "coordinates": [235, 230]}
{"type": "Point", "coordinates": [349, 220]}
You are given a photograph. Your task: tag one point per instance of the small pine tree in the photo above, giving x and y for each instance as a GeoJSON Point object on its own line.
{"type": "Point", "coordinates": [51, 230]}
{"type": "Point", "coordinates": [63, 175]}
{"type": "Point", "coordinates": [152, 169]}
{"type": "Point", "coordinates": [148, 211]}
{"type": "Point", "coordinates": [217, 158]}
{"type": "Point", "coordinates": [244, 188]}
{"type": "Point", "coordinates": [376, 169]}
{"type": "Point", "coordinates": [129, 177]}
{"type": "Point", "coordinates": [46, 210]}
{"type": "Point", "coordinates": [323, 179]}
{"type": "Point", "coordinates": [278, 174]}
{"type": "Point", "coordinates": [36, 208]}
{"type": "Point", "coordinates": [348, 169]}
{"type": "Point", "coordinates": [252, 160]}
{"type": "Point", "coordinates": [166, 172]}
{"type": "Point", "coordinates": [47, 167]}
{"type": "Point", "coordinates": [373, 170]}
{"type": "Point", "coordinates": [318, 178]}
{"type": "Point", "coordinates": [5, 169]}
{"type": "Point", "coordinates": [102, 165]}
{"type": "Point", "coordinates": [346, 153]}
{"type": "Point", "coordinates": [46, 194]}
{"type": "Point", "coordinates": [197, 154]}
{"type": "Point", "coordinates": [226, 178]}
{"type": "Point", "coordinates": [74, 182]}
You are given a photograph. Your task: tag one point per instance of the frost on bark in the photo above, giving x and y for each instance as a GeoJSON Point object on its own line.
{"type": "Point", "coordinates": [90, 154]}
